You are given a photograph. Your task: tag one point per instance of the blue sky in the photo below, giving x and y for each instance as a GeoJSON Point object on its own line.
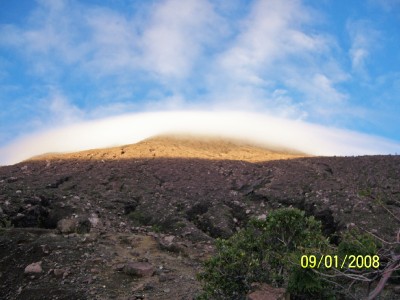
{"type": "Point", "coordinates": [329, 63]}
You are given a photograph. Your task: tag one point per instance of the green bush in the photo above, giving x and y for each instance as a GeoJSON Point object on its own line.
{"type": "Point", "coordinates": [355, 242]}
{"type": "Point", "coordinates": [267, 251]}
{"type": "Point", "coordinates": [306, 284]}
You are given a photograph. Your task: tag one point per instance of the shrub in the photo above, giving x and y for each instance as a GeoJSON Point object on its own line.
{"type": "Point", "coordinates": [267, 251]}
{"type": "Point", "coordinates": [355, 242]}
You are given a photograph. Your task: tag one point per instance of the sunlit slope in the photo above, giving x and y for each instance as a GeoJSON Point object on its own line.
{"type": "Point", "coordinates": [183, 147]}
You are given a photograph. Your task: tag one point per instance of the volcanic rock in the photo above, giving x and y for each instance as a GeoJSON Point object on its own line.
{"type": "Point", "coordinates": [66, 226]}
{"type": "Point", "coordinates": [140, 269]}
{"type": "Point", "coordinates": [34, 268]}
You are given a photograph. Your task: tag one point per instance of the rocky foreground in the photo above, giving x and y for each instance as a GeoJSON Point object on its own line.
{"type": "Point", "coordinates": [115, 224]}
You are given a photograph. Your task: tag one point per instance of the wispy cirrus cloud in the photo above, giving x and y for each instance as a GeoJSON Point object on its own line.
{"type": "Point", "coordinates": [274, 54]}
{"type": "Point", "coordinates": [61, 110]}
{"type": "Point", "coordinates": [176, 35]}
{"type": "Point", "coordinates": [176, 45]}
{"type": "Point", "coordinates": [363, 40]}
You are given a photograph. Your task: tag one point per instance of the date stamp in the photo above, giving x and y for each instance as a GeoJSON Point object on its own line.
{"type": "Point", "coordinates": [334, 261]}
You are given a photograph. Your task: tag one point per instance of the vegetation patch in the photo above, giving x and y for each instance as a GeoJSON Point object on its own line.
{"type": "Point", "coordinates": [270, 251]}
{"type": "Point", "coordinates": [267, 251]}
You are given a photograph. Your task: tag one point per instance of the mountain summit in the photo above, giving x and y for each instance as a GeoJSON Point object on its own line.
{"type": "Point", "coordinates": [184, 146]}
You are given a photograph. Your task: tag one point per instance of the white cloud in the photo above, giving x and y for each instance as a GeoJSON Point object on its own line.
{"type": "Point", "coordinates": [61, 111]}
{"type": "Point", "coordinates": [168, 41]}
{"type": "Point", "coordinates": [176, 35]}
{"type": "Point", "coordinates": [363, 38]}
{"type": "Point", "coordinates": [321, 89]}
{"type": "Point", "coordinates": [113, 42]}
{"type": "Point", "coordinates": [171, 40]}
{"type": "Point", "coordinates": [274, 49]}
{"type": "Point", "coordinates": [174, 102]}
{"type": "Point", "coordinates": [256, 128]}
{"type": "Point", "coordinates": [50, 39]}
{"type": "Point", "coordinates": [272, 31]}
{"type": "Point", "coordinates": [53, 111]}
{"type": "Point", "coordinates": [113, 109]}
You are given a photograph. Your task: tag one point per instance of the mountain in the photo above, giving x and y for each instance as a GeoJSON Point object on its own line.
{"type": "Point", "coordinates": [137, 221]}
{"type": "Point", "coordinates": [184, 146]}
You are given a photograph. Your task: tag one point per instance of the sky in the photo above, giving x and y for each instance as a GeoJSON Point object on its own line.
{"type": "Point", "coordinates": [326, 71]}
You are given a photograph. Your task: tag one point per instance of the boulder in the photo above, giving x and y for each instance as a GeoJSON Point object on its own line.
{"type": "Point", "coordinates": [169, 243]}
{"type": "Point", "coordinates": [140, 269]}
{"type": "Point", "coordinates": [61, 273]}
{"type": "Point", "coordinates": [67, 226]}
{"type": "Point", "coordinates": [34, 268]}
{"type": "Point", "coordinates": [78, 225]}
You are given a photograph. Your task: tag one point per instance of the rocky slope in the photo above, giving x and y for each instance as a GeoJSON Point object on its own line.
{"type": "Point", "coordinates": [136, 222]}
